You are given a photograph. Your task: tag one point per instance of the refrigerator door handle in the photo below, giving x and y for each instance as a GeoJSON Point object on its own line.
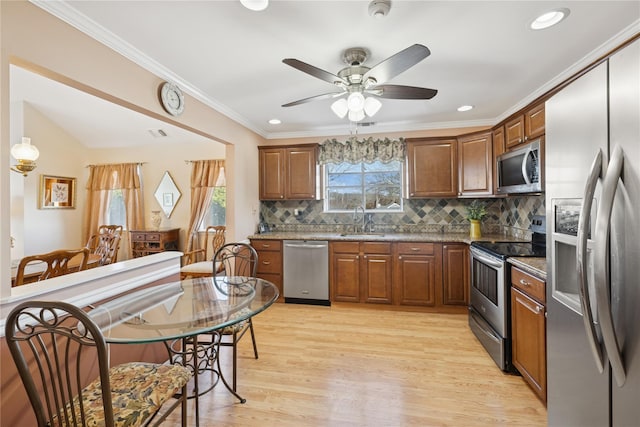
{"type": "Point", "coordinates": [584, 222]}
{"type": "Point", "coordinates": [601, 262]}
{"type": "Point", "coordinates": [525, 159]}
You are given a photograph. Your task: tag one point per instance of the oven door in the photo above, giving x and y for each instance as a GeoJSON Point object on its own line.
{"type": "Point", "coordinates": [488, 290]}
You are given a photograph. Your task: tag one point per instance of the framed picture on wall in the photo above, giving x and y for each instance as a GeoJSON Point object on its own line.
{"type": "Point", "coordinates": [57, 192]}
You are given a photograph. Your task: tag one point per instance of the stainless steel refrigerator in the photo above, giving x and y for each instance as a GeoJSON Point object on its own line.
{"type": "Point", "coordinates": [593, 246]}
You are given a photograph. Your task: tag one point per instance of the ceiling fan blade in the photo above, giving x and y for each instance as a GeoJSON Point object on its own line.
{"type": "Point", "coordinates": [314, 71]}
{"type": "Point", "coordinates": [315, 98]}
{"type": "Point", "coordinates": [396, 64]}
{"type": "Point", "coordinates": [401, 92]}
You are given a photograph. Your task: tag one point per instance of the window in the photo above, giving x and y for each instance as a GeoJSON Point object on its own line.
{"type": "Point", "coordinates": [116, 212]}
{"type": "Point", "coordinates": [376, 186]}
{"type": "Point", "coordinates": [217, 209]}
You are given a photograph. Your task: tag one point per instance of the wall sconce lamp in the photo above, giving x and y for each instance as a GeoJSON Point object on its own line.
{"type": "Point", "coordinates": [26, 155]}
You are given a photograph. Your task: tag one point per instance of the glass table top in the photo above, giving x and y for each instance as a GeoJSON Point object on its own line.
{"type": "Point", "coordinates": [183, 308]}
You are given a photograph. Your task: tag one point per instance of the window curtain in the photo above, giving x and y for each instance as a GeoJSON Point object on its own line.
{"type": "Point", "coordinates": [102, 179]}
{"type": "Point", "coordinates": [366, 150]}
{"type": "Point", "coordinates": [205, 175]}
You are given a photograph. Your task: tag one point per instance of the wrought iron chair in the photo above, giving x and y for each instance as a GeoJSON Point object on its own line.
{"type": "Point", "coordinates": [57, 264]}
{"type": "Point", "coordinates": [237, 259]}
{"type": "Point", "coordinates": [55, 346]}
{"type": "Point", "coordinates": [106, 245]}
{"type": "Point", "coordinates": [214, 239]}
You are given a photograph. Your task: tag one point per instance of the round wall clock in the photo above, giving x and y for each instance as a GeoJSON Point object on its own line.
{"type": "Point", "coordinates": [171, 98]}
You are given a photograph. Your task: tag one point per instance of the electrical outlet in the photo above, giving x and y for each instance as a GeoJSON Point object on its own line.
{"type": "Point", "coordinates": [296, 212]}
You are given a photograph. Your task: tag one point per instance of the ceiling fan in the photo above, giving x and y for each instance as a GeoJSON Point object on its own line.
{"type": "Point", "coordinates": [358, 81]}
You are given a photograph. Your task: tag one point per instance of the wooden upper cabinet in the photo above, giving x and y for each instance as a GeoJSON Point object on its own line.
{"type": "Point", "coordinates": [288, 173]}
{"type": "Point", "coordinates": [432, 168]}
{"type": "Point", "coordinates": [475, 159]}
{"type": "Point", "coordinates": [523, 128]}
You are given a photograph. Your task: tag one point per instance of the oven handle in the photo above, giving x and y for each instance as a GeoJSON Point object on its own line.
{"type": "Point", "coordinates": [485, 260]}
{"type": "Point", "coordinates": [584, 222]}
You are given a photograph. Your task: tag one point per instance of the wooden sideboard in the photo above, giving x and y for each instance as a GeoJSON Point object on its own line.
{"type": "Point", "coordinates": [148, 242]}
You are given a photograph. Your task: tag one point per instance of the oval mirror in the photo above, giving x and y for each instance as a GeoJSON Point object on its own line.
{"type": "Point", "coordinates": [167, 194]}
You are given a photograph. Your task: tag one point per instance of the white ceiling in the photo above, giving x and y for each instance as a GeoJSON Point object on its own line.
{"type": "Point", "coordinates": [482, 53]}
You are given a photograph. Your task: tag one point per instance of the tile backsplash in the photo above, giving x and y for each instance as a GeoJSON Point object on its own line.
{"type": "Point", "coordinates": [510, 216]}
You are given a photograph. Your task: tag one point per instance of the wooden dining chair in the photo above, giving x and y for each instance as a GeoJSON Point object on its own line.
{"type": "Point", "coordinates": [197, 262]}
{"type": "Point", "coordinates": [105, 245]}
{"type": "Point", "coordinates": [56, 263]}
{"type": "Point", "coordinates": [237, 259]}
{"type": "Point", "coordinates": [113, 229]}
{"type": "Point", "coordinates": [58, 349]}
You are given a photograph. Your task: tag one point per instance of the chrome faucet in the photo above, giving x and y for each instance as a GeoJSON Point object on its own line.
{"type": "Point", "coordinates": [368, 224]}
{"type": "Point", "coordinates": [356, 219]}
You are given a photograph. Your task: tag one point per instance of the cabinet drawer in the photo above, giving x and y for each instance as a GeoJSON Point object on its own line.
{"type": "Point", "coordinates": [138, 237]}
{"type": "Point", "coordinates": [376, 248]}
{"type": "Point", "coordinates": [153, 237]}
{"type": "Point", "coordinates": [270, 262]}
{"type": "Point", "coordinates": [267, 245]}
{"type": "Point", "coordinates": [416, 248]}
{"type": "Point", "coordinates": [528, 284]}
{"type": "Point", "coordinates": [345, 247]}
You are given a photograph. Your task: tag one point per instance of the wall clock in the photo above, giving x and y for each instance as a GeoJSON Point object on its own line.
{"type": "Point", "coordinates": [171, 98]}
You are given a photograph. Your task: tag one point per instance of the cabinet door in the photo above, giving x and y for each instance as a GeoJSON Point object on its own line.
{"type": "Point", "coordinates": [376, 276]}
{"type": "Point", "coordinates": [534, 122]}
{"type": "Point", "coordinates": [272, 172]}
{"type": "Point", "coordinates": [432, 168]}
{"type": "Point", "coordinates": [416, 280]}
{"type": "Point", "coordinates": [455, 274]}
{"type": "Point", "coordinates": [345, 278]}
{"type": "Point", "coordinates": [514, 132]}
{"type": "Point", "coordinates": [529, 341]}
{"type": "Point", "coordinates": [301, 173]}
{"type": "Point", "coordinates": [475, 159]}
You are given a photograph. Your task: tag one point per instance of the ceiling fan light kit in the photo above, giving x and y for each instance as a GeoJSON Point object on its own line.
{"type": "Point", "coordinates": [359, 81]}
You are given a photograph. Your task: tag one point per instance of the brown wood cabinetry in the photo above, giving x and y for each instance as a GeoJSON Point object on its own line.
{"type": "Point", "coordinates": [270, 262]}
{"type": "Point", "coordinates": [418, 274]}
{"type": "Point", "coordinates": [528, 330]}
{"type": "Point", "coordinates": [288, 173]}
{"type": "Point", "coordinates": [525, 127]}
{"type": "Point", "coordinates": [432, 168]}
{"type": "Point", "coordinates": [455, 274]}
{"type": "Point", "coordinates": [475, 159]}
{"type": "Point", "coordinates": [361, 272]}
{"type": "Point", "coordinates": [147, 242]}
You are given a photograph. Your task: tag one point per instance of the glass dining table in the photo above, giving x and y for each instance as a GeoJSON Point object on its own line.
{"type": "Point", "coordinates": [188, 317]}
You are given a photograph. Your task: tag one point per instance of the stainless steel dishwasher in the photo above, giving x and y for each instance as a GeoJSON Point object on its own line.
{"type": "Point", "coordinates": [306, 272]}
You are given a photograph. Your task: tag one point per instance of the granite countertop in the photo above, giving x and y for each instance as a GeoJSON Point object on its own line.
{"type": "Point", "coordinates": [383, 237]}
{"type": "Point", "coordinates": [537, 267]}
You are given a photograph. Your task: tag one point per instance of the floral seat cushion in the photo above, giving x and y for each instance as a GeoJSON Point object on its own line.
{"type": "Point", "coordinates": [202, 267]}
{"type": "Point", "coordinates": [138, 390]}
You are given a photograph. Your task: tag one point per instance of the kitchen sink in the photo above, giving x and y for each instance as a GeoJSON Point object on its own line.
{"type": "Point", "coordinates": [361, 234]}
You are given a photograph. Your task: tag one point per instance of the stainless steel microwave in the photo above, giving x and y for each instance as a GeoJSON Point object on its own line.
{"type": "Point", "coordinates": [519, 170]}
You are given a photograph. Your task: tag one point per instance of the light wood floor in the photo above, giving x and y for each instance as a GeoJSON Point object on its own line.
{"type": "Point", "coordinates": [349, 365]}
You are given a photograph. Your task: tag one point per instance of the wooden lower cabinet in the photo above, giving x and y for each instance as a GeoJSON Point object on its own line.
{"type": "Point", "coordinates": [455, 274]}
{"type": "Point", "coordinates": [361, 272]}
{"type": "Point", "coordinates": [270, 262]}
{"type": "Point", "coordinates": [418, 274]}
{"type": "Point", "coordinates": [528, 330]}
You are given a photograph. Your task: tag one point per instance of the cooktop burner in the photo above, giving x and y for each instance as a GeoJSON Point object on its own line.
{"type": "Point", "coordinates": [512, 249]}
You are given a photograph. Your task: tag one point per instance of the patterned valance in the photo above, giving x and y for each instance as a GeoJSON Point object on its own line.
{"type": "Point", "coordinates": [361, 150]}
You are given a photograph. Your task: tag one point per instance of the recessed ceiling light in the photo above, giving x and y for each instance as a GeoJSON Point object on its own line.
{"type": "Point", "coordinates": [256, 5]}
{"type": "Point", "coordinates": [465, 108]}
{"type": "Point", "coordinates": [549, 19]}
{"type": "Point", "coordinates": [275, 121]}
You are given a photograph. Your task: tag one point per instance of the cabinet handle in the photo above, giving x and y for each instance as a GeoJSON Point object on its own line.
{"type": "Point", "coordinates": [365, 257]}
{"type": "Point", "coordinates": [266, 246]}
{"type": "Point", "coordinates": [357, 256]}
{"type": "Point", "coordinates": [282, 197]}
{"type": "Point", "coordinates": [400, 257]}
{"type": "Point", "coordinates": [526, 138]}
{"type": "Point", "coordinates": [524, 282]}
{"type": "Point", "coordinates": [266, 262]}
{"type": "Point", "coordinates": [415, 249]}
{"type": "Point", "coordinates": [411, 194]}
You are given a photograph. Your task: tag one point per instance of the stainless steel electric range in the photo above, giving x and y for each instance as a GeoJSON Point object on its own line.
{"type": "Point", "coordinates": [489, 312]}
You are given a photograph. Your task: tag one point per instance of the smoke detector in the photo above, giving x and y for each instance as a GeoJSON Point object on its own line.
{"type": "Point", "coordinates": [379, 8]}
